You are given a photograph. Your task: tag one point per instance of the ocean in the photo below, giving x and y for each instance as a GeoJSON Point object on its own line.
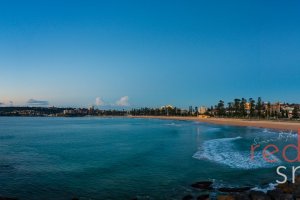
{"type": "Point", "coordinates": [124, 158]}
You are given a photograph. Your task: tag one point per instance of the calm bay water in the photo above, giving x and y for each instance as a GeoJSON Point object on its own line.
{"type": "Point", "coordinates": [121, 158]}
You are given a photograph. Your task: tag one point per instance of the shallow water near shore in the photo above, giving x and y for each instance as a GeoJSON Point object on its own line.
{"type": "Point", "coordinates": [123, 158]}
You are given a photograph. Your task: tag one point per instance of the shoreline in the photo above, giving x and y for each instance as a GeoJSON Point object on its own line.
{"type": "Point", "coordinates": [270, 124]}
{"type": "Point", "coordinates": [278, 125]}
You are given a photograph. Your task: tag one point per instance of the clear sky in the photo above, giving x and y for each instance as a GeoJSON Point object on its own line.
{"type": "Point", "coordinates": [148, 53]}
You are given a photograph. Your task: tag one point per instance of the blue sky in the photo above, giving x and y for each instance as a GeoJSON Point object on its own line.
{"type": "Point", "coordinates": [148, 53]}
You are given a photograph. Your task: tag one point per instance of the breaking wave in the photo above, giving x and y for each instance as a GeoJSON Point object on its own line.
{"type": "Point", "coordinates": [265, 189]}
{"type": "Point", "coordinates": [224, 151]}
{"type": "Point", "coordinates": [173, 124]}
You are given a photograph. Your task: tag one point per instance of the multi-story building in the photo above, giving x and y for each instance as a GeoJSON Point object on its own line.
{"type": "Point", "coordinates": [275, 108]}
{"type": "Point", "coordinates": [288, 110]}
{"type": "Point", "coordinates": [202, 110]}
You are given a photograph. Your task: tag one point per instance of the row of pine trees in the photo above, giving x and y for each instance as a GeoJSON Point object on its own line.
{"type": "Point", "coordinates": [237, 109]}
{"type": "Point", "coordinates": [257, 109]}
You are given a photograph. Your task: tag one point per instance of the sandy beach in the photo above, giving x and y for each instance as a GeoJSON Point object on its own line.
{"type": "Point", "coordinates": [279, 125]}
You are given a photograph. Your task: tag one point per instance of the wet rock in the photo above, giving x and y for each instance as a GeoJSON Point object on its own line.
{"type": "Point", "coordinates": [187, 197]}
{"type": "Point", "coordinates": [6, 198]}
{"type": "Point", "coordinates": [286, 197]}
{"type": "Point", "coordinates": [204, 185]}
{"type": "Point", "coordinates": [242, 196]}
{"type": "Point", "coordinates": [275, 194]}
{"type": "Point", "coordinates": [286, 187]}
{"type": "Point", "coordinates": [225, 197]}
{"type": "Point", "coordinates": [203, 197]}
{"type": "Point", "coordinates": [296, 192]}
{"type": "Point", "coordinates": [297, 180]}
{"type": "Point", "coordinates": [234, 190]}
{"type": "Point", "coordinates": [258, 195]}
{"type": "Point", "coordinates": [296, 188]}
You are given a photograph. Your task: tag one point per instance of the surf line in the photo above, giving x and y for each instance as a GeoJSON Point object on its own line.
{"type": "Point", "coordinates": [269, 151]}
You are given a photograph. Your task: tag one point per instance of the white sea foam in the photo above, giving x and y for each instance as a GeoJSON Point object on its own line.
{"type": "Point", "coordinates": [213, 130]}
{"type": "Point", "coordinates": [223, 151]}
{"type": "Point", "coordinates": [267, 131]}
{"type": "Point", "coordinates": [293, 134]}
{"type": "Point", "coordinates": [173, 124]}
{"type": "Point", "coordinates": [271, 186]}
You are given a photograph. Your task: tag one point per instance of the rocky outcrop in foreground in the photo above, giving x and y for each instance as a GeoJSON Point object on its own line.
{"type": "Point", "coordinates": [286, 191]}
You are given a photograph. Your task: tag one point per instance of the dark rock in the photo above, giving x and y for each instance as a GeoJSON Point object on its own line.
{"type": "Point", "coordinates": [187, 197]}
{"type": "Point", "coordinates": [242, 189]}
{"type": "Point", "coordinates": [275, 194]}
{"type": "Point", "coordinates": [257, 195]}
{"type": "Point", "coordinates": [241, 196]}
{"type": "Point", "coordinates": [203, 197]}
{"type": "Point", "coordinates": [6, 198]}
{"type": "Point", "coordinates": [75, 199]}
{"type": "Point", "coordinates": [225, 197]}
{"type": "Point", "coordinates": [297, 179]}
{"type": "Point", "coordinates": [286, 197]}
{"type": "Point", "coordinates": [297, 193]}
{"type": "Point", "coordinates": [286, 187]}
{"type": "Point", "coordinates": [204, 185]}
{"type": "Point", "coordinates": [296, 189]}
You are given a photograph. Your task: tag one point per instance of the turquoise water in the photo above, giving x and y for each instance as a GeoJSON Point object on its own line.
{"type": "Point", "coordinates": [121, 158]}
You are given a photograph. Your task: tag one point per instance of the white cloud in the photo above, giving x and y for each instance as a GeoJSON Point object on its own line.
{"type": "Point", "coordinates": [6, 103]}
{"type": "Point", "coordinates": [99, 101]}
{"type": "Point", "coordinates": [123, 101]}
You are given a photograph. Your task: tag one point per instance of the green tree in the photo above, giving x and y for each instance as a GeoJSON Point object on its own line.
{"type": "Point", "coordinates": [282, 113]}
{"type": "Point", "coordinates": [243, 107]}
{"type": "Point", "coordinates": [268, 111]}
{"type": "Point", "coordinates": [287, 114]}
{"type": "Point", "coordinates": [252, 107]}
{"type": "Point", "coordinates": [296, 112]}
{"type": "Point", "coordinates": [259, 107]}
{"type": "Point", "coordinates": [221, 108]}
{"type": "Point", "coordinates": [237, 107]}
{"type": "Point", "coordinates": [196, 111]}
{"type": "Point", "coordinates": [212, 111]}
{"type": "Point", "coordinates": [230, 108]}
